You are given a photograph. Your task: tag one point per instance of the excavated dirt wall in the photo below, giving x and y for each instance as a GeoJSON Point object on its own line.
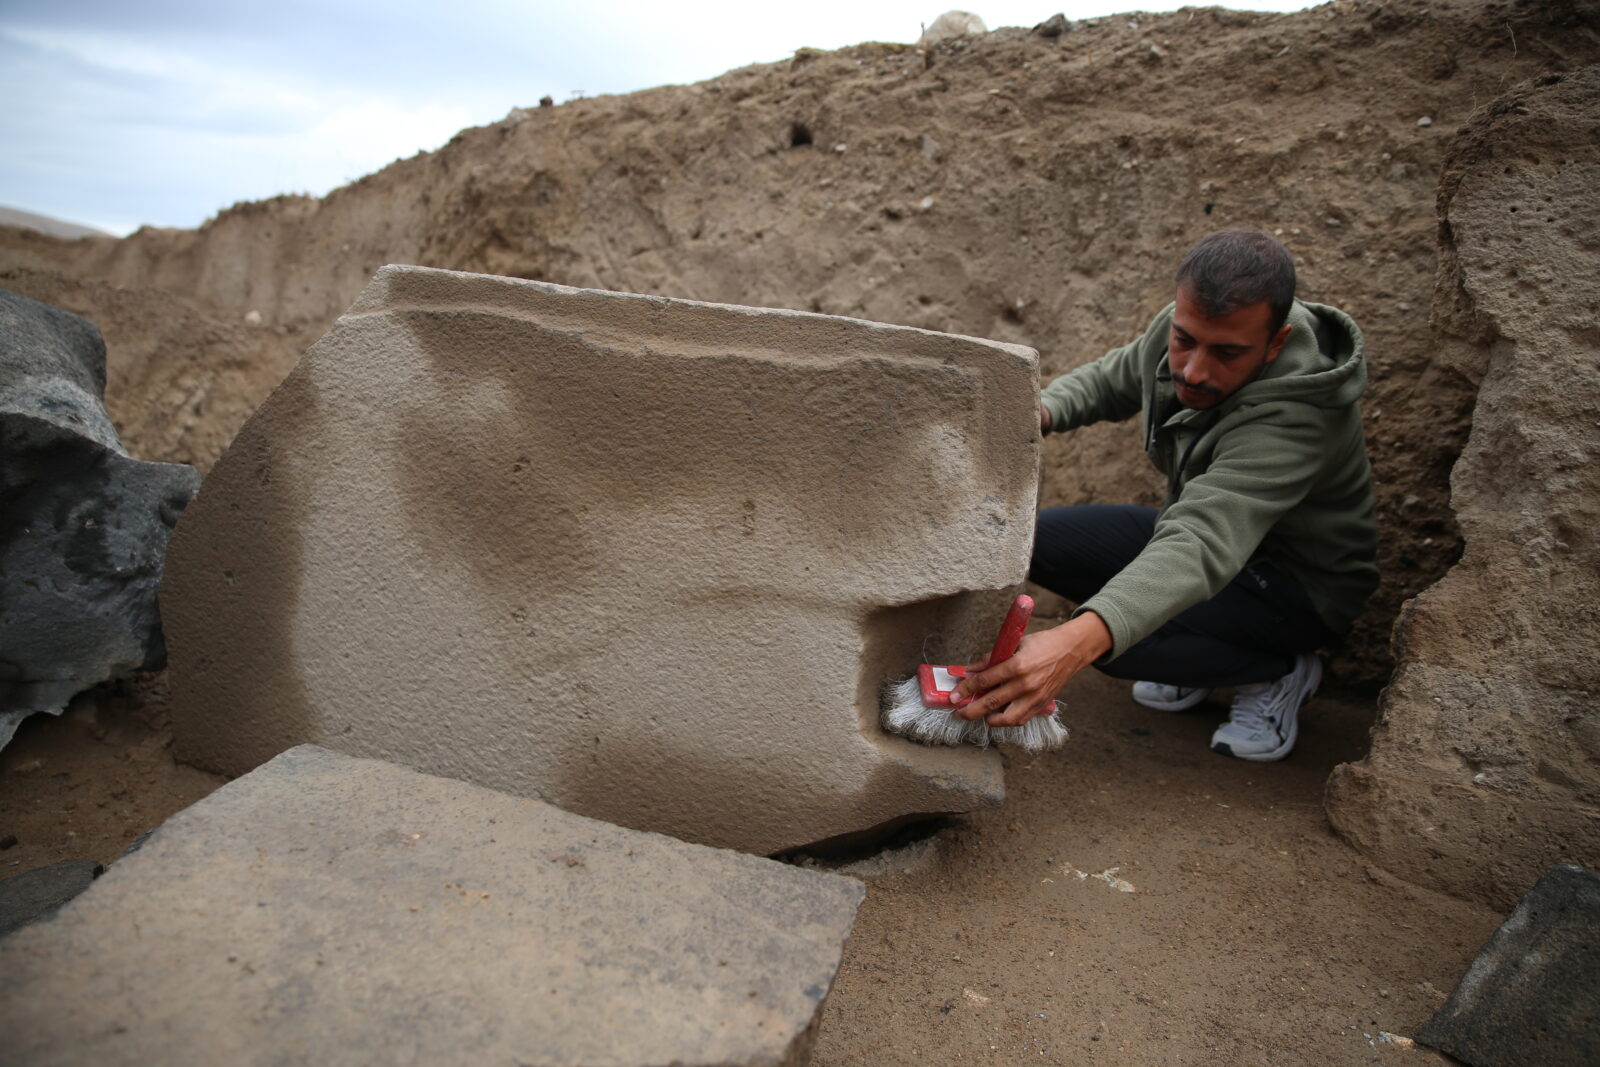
{"type": "Point", "coordinates": [1013, 187]}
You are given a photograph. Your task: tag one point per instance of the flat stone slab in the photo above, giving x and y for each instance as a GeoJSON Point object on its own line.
{"type": "Point", "coordinates": [1532, 995]}
{"type": "Point", "coordinates": [326, 909]}
{"type": "Point", "coordinates": [649, 560]}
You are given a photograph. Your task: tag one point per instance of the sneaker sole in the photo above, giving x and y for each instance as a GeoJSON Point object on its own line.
{"type": "Point", "coordinates": [1306, 693]}
{"type": "Point", "coordinates": [1176, 705]}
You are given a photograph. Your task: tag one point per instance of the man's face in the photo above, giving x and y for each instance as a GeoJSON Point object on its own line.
{"type": "Point", "coordinates": [1211, 359]}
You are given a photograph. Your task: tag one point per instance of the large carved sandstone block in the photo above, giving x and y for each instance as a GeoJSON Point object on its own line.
{"type": "Point", "coordinates": [1485, 764]}
{"type": "Point", "coordinates": [647, 559]}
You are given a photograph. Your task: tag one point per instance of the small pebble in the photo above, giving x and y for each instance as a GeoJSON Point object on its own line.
{"type": "Point", "coordinates": [1425, 121]}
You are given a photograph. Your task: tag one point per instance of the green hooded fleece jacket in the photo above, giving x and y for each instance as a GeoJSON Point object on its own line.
{"type": "Point", "coordinates": [1277, 471]}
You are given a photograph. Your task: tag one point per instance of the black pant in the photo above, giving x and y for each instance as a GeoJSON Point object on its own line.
{"type": "Point", "coordinates": [1249, 632]}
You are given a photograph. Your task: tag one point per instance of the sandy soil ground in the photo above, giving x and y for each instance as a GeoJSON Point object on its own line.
{"type": "Point", "coordinates": [86, 784]}
{"type": "Point", "coordinates": [1137, 900]}
{"type": "Point", "coordinates": [1141, 900]}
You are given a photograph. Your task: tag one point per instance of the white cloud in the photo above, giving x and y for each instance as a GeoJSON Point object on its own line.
{"type": "Point", "coordinates": [349, 136]}
{"type": "Point", "coordinates": [181, 129]}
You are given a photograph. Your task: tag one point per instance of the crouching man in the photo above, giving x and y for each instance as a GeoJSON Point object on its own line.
{"type": "Point", "coordinates": [1265, 549]}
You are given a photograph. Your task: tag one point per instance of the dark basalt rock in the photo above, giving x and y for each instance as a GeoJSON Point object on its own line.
{"type": "Point", "coordinates": [37, 894]}
{"type": "Point", "coordinates": [1532, 996]}
{"type": "Point", "coordinates": [83, 525]}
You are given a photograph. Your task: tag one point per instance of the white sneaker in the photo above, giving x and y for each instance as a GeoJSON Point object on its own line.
{"type": "Point", "coordinates": [1265, 719]}
{"type": "Point", "coordinates": [1167, 697]}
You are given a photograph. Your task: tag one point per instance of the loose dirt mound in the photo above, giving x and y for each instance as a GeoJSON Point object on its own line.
{"type": "Point", "coordinates": [1013, 187]}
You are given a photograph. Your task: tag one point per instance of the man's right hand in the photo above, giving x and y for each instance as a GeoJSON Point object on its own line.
{"type": "Point", "coordinates": [1024, 685]}
{"type": "Point", "coordinates": [1044, 419]}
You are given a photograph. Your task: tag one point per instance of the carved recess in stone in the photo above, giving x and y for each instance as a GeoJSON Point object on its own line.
{"type": "Point", "coordinates": [647, 559]}
{"type": "Point", "coordinates": [1485, 764]}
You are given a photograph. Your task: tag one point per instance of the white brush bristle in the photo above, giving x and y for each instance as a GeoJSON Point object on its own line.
{"type": "Point", "coordinates": [1042, 733]}
{"type": "Point", "coordinates": [905, 714]}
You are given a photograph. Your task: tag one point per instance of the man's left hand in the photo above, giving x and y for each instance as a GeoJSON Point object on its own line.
{"type": "Point", "coordinates": [1024, 685]}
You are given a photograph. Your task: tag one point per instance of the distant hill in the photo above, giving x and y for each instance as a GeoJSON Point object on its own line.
{"type": "Point", "coordinates": [11, 216]}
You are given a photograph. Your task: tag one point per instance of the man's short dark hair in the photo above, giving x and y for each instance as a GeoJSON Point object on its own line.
{"type": "Point", "coordinates": [1235, 268]}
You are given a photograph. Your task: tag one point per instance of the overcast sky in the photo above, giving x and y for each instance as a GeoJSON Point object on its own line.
{"type": "Point", "coordinates": [125, 112]}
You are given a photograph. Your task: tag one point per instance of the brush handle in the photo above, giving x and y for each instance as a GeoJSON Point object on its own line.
{"type": "Point", "coordinates": [1005, 645]}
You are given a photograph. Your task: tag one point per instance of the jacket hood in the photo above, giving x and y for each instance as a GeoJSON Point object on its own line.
{"type": "Point", "coordinates": [1322, 363]}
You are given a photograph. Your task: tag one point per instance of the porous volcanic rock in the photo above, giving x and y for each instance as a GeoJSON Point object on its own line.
{"type": "Point", "coordinates": [1485, 763]}
{"type": "Point", "coordinates": [84, 526]}
{"type": "Point", "coordinates": [647, 559]}
{"type": "Point", "coordinates": [325, 909]}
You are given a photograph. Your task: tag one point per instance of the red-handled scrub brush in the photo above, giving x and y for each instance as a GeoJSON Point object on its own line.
{"type": "Point", "coordinates": [921, 707]}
